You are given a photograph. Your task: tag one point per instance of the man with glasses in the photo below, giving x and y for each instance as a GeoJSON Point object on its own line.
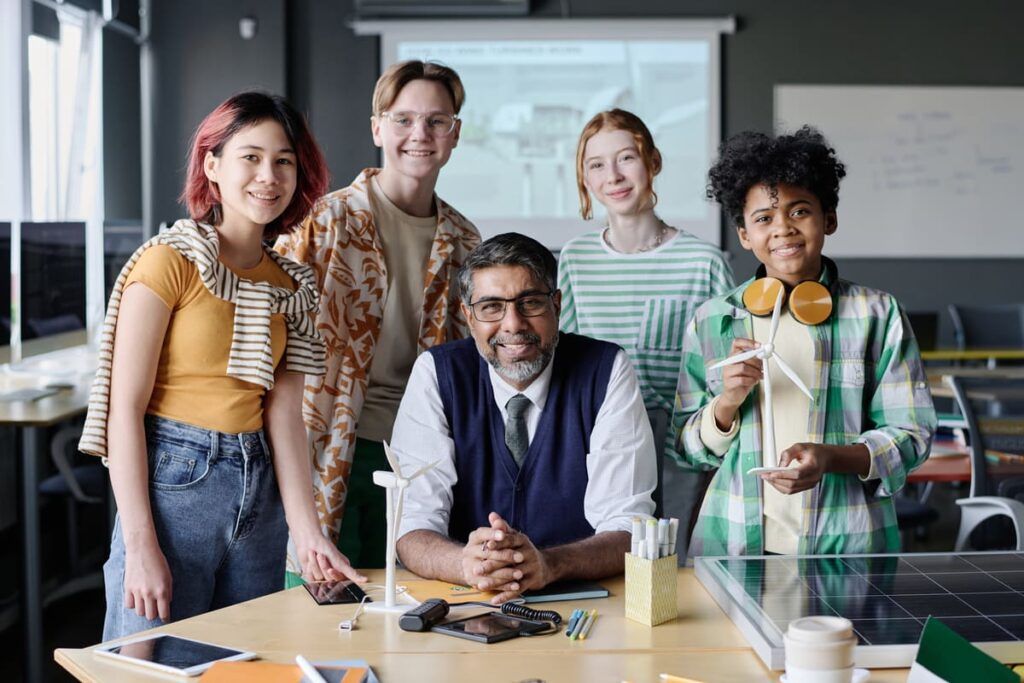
{"type": "Point", "coordinates": [544, 452]}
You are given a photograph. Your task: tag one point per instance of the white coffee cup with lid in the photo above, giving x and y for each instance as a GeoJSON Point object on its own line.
{"type": "Point", "coordinates": [819, 650]}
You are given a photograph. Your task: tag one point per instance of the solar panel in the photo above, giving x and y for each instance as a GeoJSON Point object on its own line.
{"type": "Point", "coordinates": [886, 597]}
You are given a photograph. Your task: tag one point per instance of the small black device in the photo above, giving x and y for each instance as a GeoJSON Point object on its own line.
{"type": "Point", "coordinates": [336, 592]}
{"type": "Point", "coordinates": [492, 627]}
{"type": "Point", "coordinates": [425, 615]}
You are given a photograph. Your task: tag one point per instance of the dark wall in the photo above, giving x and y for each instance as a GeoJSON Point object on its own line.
{"type": "Point", "coordinates": [331, 72]}
{"type": "Point", "coordinates": [122, 128]}
{"type": "Point", "coordinates": [199, 59]}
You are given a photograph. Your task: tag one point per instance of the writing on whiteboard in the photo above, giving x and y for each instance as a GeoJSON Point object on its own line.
{"type": "Point", "coordinates": [931, 171]}
{"type": "Point", "coordinates": [935, 149]}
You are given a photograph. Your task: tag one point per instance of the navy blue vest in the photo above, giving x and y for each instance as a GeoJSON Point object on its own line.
{"type": "Point", "coordinates": [544, 498]}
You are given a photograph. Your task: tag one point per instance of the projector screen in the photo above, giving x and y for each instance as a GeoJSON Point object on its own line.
{"type": "Point", "coordinates": [531, 85]}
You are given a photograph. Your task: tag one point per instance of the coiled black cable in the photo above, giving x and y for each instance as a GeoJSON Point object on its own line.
{"type": "Point", "coordinates": [516, 608]}
{"type": "Point", "coordinates": [519, 610]}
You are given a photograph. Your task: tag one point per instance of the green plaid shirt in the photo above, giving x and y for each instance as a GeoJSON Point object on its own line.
{"type": "Point", "coordinates": [869, 387]}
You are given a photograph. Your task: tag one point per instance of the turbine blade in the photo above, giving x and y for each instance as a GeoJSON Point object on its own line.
{"type": "Point", "coordinates": [738, 358]}
{"type": "Point", "coordinates": [423, 470]}
{"type": "Point", "coordinates": [768, 456]}
{"type": "Point", "coordinates": [775, 315]}
{"type": "Point", "coordinates": [793, 377]}
{"type": "Point", "coordinates": [397, 522]}
{"type": "Point", "coordinates": [392, 460]}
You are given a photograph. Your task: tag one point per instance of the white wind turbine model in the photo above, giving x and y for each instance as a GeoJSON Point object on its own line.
{"type": "Point", "coordinates": [393, 481]}
{"type": "Point", "coordinates": [767, 352]}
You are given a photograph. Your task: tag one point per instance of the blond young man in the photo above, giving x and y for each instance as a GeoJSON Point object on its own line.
{"type": "Point", "coordinates": [385, 250]}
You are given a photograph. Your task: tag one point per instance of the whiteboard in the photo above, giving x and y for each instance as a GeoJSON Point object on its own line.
{"type": "Point", "coordinates": [931, 171]}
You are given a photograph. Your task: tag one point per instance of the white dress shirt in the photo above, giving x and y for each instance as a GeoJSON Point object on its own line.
{"type": "Point", "coordinates": [621, 466]}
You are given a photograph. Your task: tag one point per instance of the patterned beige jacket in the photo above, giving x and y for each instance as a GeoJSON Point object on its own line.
{"type": "Point", "coordinates": [339, 240]}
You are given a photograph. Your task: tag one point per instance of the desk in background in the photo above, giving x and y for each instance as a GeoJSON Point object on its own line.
{"type": "Point", "coordinates": [30, 419]}
{"type": "Point", "coordinates": [973, 354]}
{"type": "Point", "coordinates": [702, 643]}
{"type": "Point", "coordinates": [941, 389]}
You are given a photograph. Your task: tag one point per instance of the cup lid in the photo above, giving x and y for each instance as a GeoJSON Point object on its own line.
{"type": "Point", "coordinates": [820, 629]}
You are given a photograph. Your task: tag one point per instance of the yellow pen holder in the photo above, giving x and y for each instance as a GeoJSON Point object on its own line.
{"type": "Point", "coordinates": [651, 589]}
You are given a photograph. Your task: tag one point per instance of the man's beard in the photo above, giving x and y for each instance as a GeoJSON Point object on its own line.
{"type": "Point", "coordinates": [521, 370]}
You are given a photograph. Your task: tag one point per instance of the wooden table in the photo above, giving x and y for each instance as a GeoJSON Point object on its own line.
{"type": "Point", "coordinates": [702, 643]}
{"type": "Point", "coordinates": [939, 387]}
{"type": "Point", "coordinates": [973, 354]}
{"type": "Point", "coordinates": [952, 468]}
{"type": "Point", "coordinates": [30, 419]}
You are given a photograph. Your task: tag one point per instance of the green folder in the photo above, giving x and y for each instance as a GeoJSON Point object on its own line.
{"type": "Point", "coordinates": [944, 655]}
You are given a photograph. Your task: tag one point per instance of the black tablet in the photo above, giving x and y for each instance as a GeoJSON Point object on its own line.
{"type": "Point", "coordinates": [491, 627]}
{"type": "Point", "coordinates": [336, 592]}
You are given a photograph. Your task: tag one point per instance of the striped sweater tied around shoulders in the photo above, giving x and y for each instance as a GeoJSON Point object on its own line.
{"type": "Point", "coordinates": [250, 358]}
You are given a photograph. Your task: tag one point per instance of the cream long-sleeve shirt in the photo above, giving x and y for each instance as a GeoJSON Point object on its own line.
{"type": "Point", "coordinates": [783, 514]}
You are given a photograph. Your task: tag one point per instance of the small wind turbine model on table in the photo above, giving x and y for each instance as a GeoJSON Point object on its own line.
{"type": "Point", "coordinates": [766, 352]}
{"type": "Point", "coordinates": [393, 481]}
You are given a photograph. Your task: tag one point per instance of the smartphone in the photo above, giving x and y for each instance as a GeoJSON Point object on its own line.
{"type": "Point", "coordinates": [492, 627]}
{"type": "Point", "coordinates": [761, 470]}
{"type": "Point", "coordinates": [336, 592]}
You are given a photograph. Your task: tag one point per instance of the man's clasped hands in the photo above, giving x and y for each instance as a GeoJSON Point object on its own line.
{"type": "Point", "coordinates": [502, 560]}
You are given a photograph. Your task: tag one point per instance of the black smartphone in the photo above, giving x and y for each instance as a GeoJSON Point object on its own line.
{"type": "Point", "coordinates": [336, 592]}
{"type": "Point", "coordinates": [492, 627]}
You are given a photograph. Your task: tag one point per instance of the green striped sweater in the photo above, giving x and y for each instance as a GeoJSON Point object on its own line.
{"type": "Point", "coordinates": [641, 302]}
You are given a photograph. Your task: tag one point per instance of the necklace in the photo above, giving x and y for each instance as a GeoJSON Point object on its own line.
{"type": "Point", "coordinates": [662, 231]}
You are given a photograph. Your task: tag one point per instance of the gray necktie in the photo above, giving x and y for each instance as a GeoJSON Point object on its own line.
{"type": "Point", "coordinates": [516, 437]}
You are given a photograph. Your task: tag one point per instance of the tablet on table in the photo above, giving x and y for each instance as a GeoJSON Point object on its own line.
{"type": "Point", "coordinates": [172, 654]}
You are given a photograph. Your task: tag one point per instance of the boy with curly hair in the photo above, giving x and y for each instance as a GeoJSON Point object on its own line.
{"type": "Point", "coordinates": [848, 450]}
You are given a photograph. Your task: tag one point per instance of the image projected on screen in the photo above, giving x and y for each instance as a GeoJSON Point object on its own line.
{"type": "Point", "coordinates": [526, 104]}
{"type": "Point", "coordinates": [887, 598]}
{"type": "Point", "coordinates": [52, 278]}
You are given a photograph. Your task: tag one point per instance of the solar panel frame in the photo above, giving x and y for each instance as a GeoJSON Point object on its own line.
{"type": "Point", "coordinates": [886, 596]}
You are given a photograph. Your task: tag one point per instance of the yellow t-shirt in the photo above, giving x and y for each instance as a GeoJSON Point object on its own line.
{"type": "Point", "coordinates": [192, 384]}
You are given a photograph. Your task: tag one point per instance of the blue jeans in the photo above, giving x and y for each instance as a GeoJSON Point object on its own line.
{"type": "Point", "coordinates": [219, 521]}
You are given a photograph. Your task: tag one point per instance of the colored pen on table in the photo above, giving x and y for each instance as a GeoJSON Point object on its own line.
{"type": "Point", "coordinates": [308, 670]}
{"type": "Point", "coordinates": [589, 625]}
{"type": "Point", "coordinates": [669, 678]}
{"type": "Point", "coordinates": [579, 626]}
{"type": "Point", "coordinates": [576, 614]}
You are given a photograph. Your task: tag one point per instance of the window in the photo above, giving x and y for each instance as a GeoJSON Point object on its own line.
{"type": "Point", "coordinates": [64, 95]}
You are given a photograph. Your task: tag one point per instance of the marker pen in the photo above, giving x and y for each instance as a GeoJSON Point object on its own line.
{"type": "Point", "coordinates": [308, 670]}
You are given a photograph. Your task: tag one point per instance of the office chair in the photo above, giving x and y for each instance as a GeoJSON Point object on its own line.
{"type": "Point", "coordinates": [925, 325]}
{"type": "Point", "coordinates": [913, 517]}
{"type": "Point", "coordinates": [996, 454]}
{"type": "Point", "coordinates": [84, 484]}
{"type": "Point", "coordinates": [996, 326]}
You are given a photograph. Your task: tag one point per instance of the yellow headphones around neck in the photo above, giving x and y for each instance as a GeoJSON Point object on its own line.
{"type": "Point", "coordinates": [810, 302]}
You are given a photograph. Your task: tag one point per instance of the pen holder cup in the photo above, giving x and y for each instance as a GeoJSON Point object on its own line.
{"type": "Point", "coordinates": [651, 589]}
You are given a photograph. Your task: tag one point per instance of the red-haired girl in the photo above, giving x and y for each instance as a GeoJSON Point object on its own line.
{"type": "Point", "coordinates": [197, 402]}
{"type": "Point", "coordinates": [636, 281]}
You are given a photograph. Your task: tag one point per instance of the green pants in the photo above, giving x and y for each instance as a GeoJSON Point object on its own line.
{"type": "Point", "coordinates": [364, 527]}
